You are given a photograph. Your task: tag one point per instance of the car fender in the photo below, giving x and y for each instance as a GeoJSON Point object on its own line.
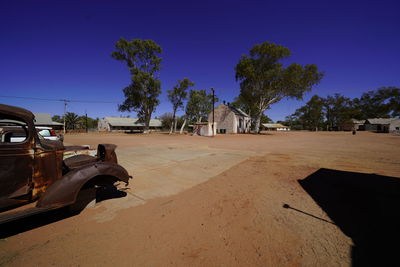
{"type": "Point", "coordinates": [64, 192]}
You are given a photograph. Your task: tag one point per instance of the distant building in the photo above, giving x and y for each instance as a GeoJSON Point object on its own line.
{"type": "Point", "coordinates": [358, 125]}
{"type": "Point", "coordinates": [380, 125]}
{"type": "Point", "coordinates": [274, 127]}
{"type": "Point", "coordinates": [117, 124]}
{"type": "Point", "coordinates": [394, 126]}
{"type": "Point", "coordinates": [230, 119]}
{"type": "Point", "coordinates": [44, 120]}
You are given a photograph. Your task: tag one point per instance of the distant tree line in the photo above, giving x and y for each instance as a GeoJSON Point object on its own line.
{"type": "Point", "coordinates": [264, 80]}
{"type": "Point", "coordinates": [74, 122]}
{"type": "Point", "coordinates": [331, 111]}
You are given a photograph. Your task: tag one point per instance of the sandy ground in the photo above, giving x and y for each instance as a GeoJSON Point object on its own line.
{"type": "Point", "coordinates": [280, 199]}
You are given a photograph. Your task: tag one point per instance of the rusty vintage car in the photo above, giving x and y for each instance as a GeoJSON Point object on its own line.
{"type": "Point", "coordinates": [37, 175]}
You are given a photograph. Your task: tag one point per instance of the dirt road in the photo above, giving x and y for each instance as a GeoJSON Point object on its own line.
{"type": "Point", "coordinates": [282, 199]}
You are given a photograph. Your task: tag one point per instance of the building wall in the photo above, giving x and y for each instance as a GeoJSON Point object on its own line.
{"type": "Point", "coordinates": [380, 128]}
{"type": "Point", "coordinates": [227, 120]}
{"type": "Point", "coordinates": [103, 125]}
{"type": "Point", "coordinates": [394, 126]}
{"type": "Point", "coordinates": [224, 118]}
{"type": "Point", "coordinates": [245, 125]}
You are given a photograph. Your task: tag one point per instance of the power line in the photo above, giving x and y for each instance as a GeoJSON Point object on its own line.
{"type": "Point", "coordinates": [60, 100]}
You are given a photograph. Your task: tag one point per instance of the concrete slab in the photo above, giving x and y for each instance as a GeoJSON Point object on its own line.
{"type": "Point", "coordinates": [161, 171]}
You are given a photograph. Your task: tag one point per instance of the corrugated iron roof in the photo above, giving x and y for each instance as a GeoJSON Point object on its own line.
{"type": "Point", "coordinates": [274, 125]}
{"type": "Point", "coordinates": [44, 119]}
{"type": "Point", "coordinates": [357, 121]}
{"type": "Point", "coordinates": [118, 121]}
{"type": "Point", "coordinates": [380, 120]}
{"type": "Point", "coordinates": [238, 111]}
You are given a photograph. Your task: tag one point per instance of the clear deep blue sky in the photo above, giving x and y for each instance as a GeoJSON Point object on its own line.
{"type": "Point", "coordinates": [61, 49]}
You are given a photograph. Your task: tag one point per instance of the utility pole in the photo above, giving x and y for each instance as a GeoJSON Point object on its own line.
{"type": "Point", "coordinates": [86, 121]}
{"type": "Point", "coordinates": [213, 100]}
{"type": "Point", "coordinates": [65, 111]}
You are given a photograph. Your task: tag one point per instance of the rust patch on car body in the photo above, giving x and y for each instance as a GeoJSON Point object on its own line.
{"type": "Point", "coordinates": [33, 168]}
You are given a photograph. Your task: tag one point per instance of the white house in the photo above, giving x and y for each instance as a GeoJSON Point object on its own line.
{"type": "Point", "coordinates": [230, 119]}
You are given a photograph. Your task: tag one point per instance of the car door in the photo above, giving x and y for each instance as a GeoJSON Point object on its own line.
{"type": "Point", "coordinates": [16, 163]}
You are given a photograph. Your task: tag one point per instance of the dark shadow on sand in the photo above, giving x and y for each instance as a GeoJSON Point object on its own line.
{"type": "Point", "coordinates": [366, 207]}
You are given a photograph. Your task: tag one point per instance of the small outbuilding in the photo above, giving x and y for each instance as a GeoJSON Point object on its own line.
{"type": "Point", "coordinates": [274, 127]}
{"type": "Point", "coordinates": [119, 124]}
{"type": "Point", "coordinates": [357, 125]}
{"type": "Point", "coordinates": [204, 128]}
{"type": "Point", "coordinates": [380, 125]}
{"type": "Point", "coordinates": [44, 120]}
{"type": "Point", "coordinates": [229, 120]}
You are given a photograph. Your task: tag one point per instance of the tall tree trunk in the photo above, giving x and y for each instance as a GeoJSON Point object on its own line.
{"type": "Point", "coordinates": [183, 126]}
{"type": "Point", "coordinates": [147, 123]}
{"type": "Point", "coordinates": [258, 123]}
{"type": "Point", "coordinates": [173, 127]}
{"type": "Point", "coordinates": [175, 124]}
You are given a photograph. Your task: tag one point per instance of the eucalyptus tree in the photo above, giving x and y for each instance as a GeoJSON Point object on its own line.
{"type": "Point", "coordinates": [311, 116]}
{"type": "Point", "coordinates": [177, 96]}
{"type": "Point", "coordinates": [381, 103]}
{"type": "Point", "coordinates": [199, 105]}
{"type": "Point", "coordinates": [338, 109]}
{"type": "Point", "coordinates": [265, 81]}
{"type": "Point", "coordinates": [142, 57]}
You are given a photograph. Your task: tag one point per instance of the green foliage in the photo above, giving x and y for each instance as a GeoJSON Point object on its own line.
{"type": "Point", "coordinates": [199, 105]}
{"type": "Point", "coordinates": [264, 80]}
{"type": "Point", "coordinates": [265, 119]}
{"type": "Point", "coordinates": [167, 120]}
{"type": "Point", "coordinates": [241, 103]}
{"type": "Point", "coordinates": [74, 121]}
{"type": "Point", "coordinates": [177, 95]}
{"type": "Point", "coordinates": [310, 116]}
{"type": "Point", "coordinates": [381, 103]}
{"type": "Point", "coordinates": [91, 123]}
{"type": "Point", "coordinates": [143, 60]}
{"type": "Point", "coordinates": [57, 118]}
{"type": "Point", "coordinates": [338, 109]}
{"type": "Point", "coordinates": [71, 120]}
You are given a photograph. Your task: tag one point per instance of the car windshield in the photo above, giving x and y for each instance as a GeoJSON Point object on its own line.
{"type": "Point", "coordinates": [12, 131]}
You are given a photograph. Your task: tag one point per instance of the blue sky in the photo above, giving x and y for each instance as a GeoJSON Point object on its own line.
{"type": "Point", "coordinates": [61, 49]}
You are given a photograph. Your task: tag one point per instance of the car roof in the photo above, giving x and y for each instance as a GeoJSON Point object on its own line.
{"type": "Point", "coordinates": [16, 111]}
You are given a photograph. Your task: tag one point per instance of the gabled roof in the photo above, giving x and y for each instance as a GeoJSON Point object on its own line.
{"type": "Point", "coordinates": [274, 125]}
{"type": "Point", "coordinates": [380, 120]}
{"type": "Point", "coordinates": [118, 121]}
{"type": "Point", "coordinates": [357, 121]}
{"type": "Point", "coordinates": [44, 119]}
{"type": "Point", "coordinates": [238, 111]}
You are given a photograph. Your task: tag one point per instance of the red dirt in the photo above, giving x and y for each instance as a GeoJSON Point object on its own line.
{"type": "Point", "coordinates": [234, 219]}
